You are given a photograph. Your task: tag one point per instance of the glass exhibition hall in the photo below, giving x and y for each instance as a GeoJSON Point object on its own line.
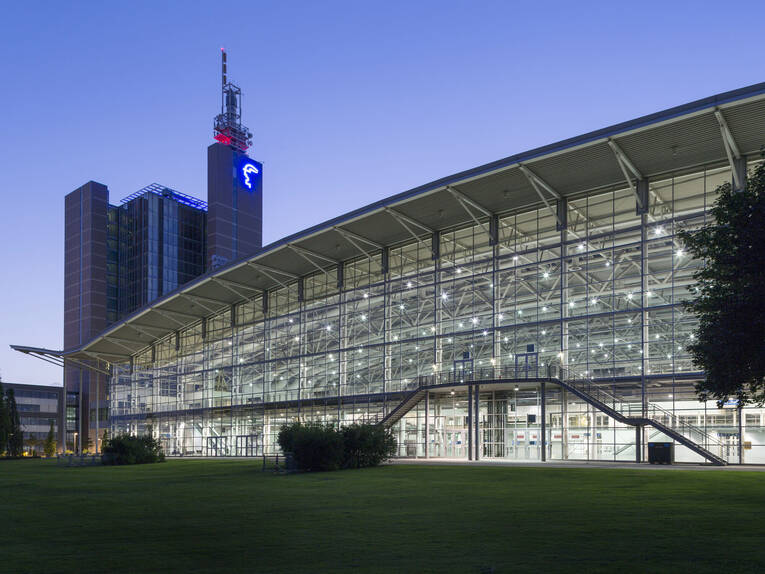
{"type": "Point", "coordinates": [488, 315]}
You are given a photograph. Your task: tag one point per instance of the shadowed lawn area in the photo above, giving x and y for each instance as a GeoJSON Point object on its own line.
{"type": "Point", "coordinates": [227, 516]}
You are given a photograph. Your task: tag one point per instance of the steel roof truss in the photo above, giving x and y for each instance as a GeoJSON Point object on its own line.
{"type": "Point", "coordinates": [731, 149]}
{"type": "Point", "coordinates": [267, 273]}
{"type": "Point", "coordinates": [354, 243]}
{"type": "Point", "coordinates": [538, 184]}
{"type": "Point", "coordinates": [173, 319]}
{"type": "Point", "coordinates": [197, 300]}
{"type": "Point", "coordinates": [358, 237]}
{"type": "Point", "coordinates": [141, 331]}
{"type": "Point", "coordinates": [180, 314]}
{"type": "Point", "coordinates": [260, 266]}
{"type": "Point", "coordinates": [97, 357]}
{"type": "Point", "coordinates": [117, 341]}
{"type": "Point", "coordinates": [48, 359]}
{"type": "Point", "coordinates": [401, 217]}
{"type": "Point", "coordinates": [627, 166]}
{"type": "Point", "coordinates": [233, 283]}
{"type": "Point", "coordinates": [474, 204]}
{"type": "Point", "coordinates": [465, 201]}
{"type": "Point", "coordinates": [310, 253]}
{"type": "Point", "coordinates": [404, 220]}
{"type": "Point", "coordinates": [224, 283]}
{"type": "Point", "coordinates": [311, 261]}
{"type": "Point", "coordinates": [162, 330]}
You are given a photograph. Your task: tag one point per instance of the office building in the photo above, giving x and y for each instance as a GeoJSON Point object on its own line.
{"type": "Point", "coordinates": [38, 407]}
{"type": "Point", "coordinates": [120, 258]}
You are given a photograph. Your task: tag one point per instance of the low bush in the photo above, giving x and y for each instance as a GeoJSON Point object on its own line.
{"type": "Point", "coordinates": [314, 446]}
{"type": "Point", "coordinates": [367, 445]}
{"type": "Point", "coordinates": [128, 449]}
{"type": "Point", "coordinates": [317, 447]}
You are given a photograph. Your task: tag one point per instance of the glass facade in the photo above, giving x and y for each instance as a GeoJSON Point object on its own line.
{"type": "Point", "coordinates": [601, 298]}
{"type": "Point", "coordinates": [155, 243]}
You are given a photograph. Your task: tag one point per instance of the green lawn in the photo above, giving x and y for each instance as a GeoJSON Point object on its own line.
{"type": "Point", "coordinates": [227, 516]}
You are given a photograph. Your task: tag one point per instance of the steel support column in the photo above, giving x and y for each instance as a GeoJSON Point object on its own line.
{"type": "Point", "coordinates": [78, 443]}
{"type": "Point", "coordinates": [427, 423]}
{"type": "Point", "coordinates": [740, 435]}
{"type": "Point", "coordinates": [470, 422]}
{"type": "Point", "coordinates": [638, 437]}
{"type": "Point", "coordinates": [476, 420]}
{"type": "Point", "coordinates": [644, 334]}
{"type": "Point", "coordinates": [543, 432]}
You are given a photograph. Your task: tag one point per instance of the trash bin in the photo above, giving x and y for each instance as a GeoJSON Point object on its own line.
{"type": "Point", "coordinates": [661, 452]}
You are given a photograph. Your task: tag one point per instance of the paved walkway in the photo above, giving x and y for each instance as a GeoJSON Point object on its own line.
{"type": "Point", "coordinates": [579, 464]}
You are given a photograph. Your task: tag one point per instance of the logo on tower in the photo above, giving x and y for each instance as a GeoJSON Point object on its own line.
{"type": "Point", "coordinates": [250, 172]}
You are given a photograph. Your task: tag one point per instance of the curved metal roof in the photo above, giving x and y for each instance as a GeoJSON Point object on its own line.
{"type": "Point", "coordinates": [706, 131]}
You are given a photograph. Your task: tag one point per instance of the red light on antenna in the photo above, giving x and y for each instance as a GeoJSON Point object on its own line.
{"type": "Point", "coordinates": [225, 140]}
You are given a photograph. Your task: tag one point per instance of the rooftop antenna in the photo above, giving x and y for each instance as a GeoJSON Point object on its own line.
{"type": "Point", "coordinates": [228, 128]}
{"type": "Point", "coordinates": [223, 64]}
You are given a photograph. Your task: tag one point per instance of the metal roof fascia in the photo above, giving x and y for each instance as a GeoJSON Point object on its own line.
{"type": "Point", "coordinates": [638, 124]}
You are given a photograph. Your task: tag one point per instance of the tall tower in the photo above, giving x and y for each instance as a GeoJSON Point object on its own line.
{"type": "Point", "coordinates": [234, 184]}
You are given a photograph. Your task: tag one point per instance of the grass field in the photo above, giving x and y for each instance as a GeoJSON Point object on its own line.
{"type": "Point", "coordinates": [227, 516]}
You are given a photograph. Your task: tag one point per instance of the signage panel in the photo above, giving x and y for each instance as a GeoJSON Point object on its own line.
{"type": "Point", "coordinates": [250, 173]}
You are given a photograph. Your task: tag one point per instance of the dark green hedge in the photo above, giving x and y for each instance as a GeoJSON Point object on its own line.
{"type": "Point", "coordinates": [317, 447]}
{"type": "Point", "coordinates": [128, 449]}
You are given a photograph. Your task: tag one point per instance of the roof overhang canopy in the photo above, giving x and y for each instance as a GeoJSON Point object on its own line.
{"type": "Point", "coordinates": [667, 142]}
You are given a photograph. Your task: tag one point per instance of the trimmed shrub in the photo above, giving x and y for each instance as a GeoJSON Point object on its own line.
{"type": "Point", "coordinates": [367, 445]}
{"type": "Point", "coordinates": [314, 446]}
{"type": "Point", "coordinates": [128, 449]}
{"type": "Point", "coordinates": [317, 447]}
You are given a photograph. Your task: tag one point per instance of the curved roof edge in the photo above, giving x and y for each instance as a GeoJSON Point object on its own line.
{"type": "Point", "coordinates": [650, 120]}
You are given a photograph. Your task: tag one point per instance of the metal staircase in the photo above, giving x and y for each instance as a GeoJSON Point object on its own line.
{"type": "Point", "coordinates": [632, 414]}
{"type": "Point", "coordinates": [406, 405]}
{"type": "Point", "coordinates": [688, 435]}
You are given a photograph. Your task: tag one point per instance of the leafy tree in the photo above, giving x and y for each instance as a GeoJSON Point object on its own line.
{"type": "Point", "coordinates": [49, 447]}
{"type": "Point", "coordinates": [729, 295]}
{"type": "Point", "coordinates": [15, 434]}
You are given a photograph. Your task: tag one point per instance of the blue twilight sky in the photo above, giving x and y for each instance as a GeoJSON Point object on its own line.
{"type": "Point", "coordinates": [349, 102]}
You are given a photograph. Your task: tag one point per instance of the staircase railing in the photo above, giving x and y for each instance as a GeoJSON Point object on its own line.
{"type": "Point", "coordinates": [599, 394]}
{"type": "Point", "coordinates": [628, 411]}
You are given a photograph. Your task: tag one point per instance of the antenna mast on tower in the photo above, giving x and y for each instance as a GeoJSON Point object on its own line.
{"type": "Point", "coordinates": [228, 128]}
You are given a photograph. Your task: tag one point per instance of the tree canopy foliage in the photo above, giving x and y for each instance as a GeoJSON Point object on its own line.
{"type": "Point", "coordinates": [729, 294]}
{"type": "Point", "coordinates": [49, 446]}
{"type": "Point", "coordinates": [11, 434]}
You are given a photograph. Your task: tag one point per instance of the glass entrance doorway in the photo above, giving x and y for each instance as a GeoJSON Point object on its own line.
{"type": "Point", "coordinates": [248, 445]}
{"type": "Point", "coordinates": [217, 446]}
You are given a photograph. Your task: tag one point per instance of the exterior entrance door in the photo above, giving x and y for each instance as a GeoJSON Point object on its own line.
{"type": "Point", "coordinates": [729, 445]}
{"type": "Point", "coordinates": [248, 445]}
{"type": "Point", "coordinates": [217, 446]}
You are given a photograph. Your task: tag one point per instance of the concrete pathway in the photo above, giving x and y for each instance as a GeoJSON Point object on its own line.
{"type": "Point", "coordinates": [579, 464]}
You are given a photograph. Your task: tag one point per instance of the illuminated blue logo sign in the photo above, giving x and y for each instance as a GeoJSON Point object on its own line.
{"type": "Point", "coordinates": [250, 172]}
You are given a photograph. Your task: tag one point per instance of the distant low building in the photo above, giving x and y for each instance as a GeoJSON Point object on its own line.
{"type": "Point", "coordinates": [38, 406]}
